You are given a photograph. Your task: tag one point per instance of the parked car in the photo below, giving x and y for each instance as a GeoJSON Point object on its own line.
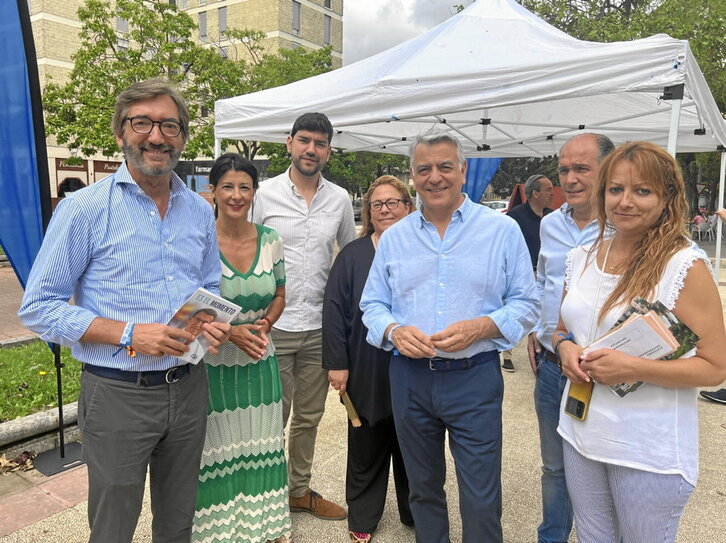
{"type": "Point", "coordinates": [497, 205]}
{"type": "Point", "coordinates": [357, 205]}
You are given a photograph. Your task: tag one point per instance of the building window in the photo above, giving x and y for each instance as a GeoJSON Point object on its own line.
{"type": "Point", "coordinates": [327, 21]}
{"type": "Point", "coordinates": [296, 17]}
{"type": "Point", "coordinates": [182, 4]}
{"type": "Point", "coordinates": [202, 26]}
{"type": "Point", "coordinates": [328, 4]}
{"type": "Point", "coordinates": [222, 20]}
{"type": "Point", "coordinates": [202, 2]}
{"type": "Point", "coordinates": [223, 52]}
{"type": "Point", "coordinates": [122, 25]}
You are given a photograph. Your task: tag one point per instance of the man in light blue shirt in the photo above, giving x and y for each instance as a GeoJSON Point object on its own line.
{"type": "Point", "coordinates": [130, 250]}
{"type": "Point", "coordinates": [450, 286]}
{"type": "Point", "coordinates": [571, 225]}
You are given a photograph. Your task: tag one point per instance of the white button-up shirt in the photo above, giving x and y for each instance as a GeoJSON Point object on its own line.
{"type": "Point", "coordinates": [308, 234]}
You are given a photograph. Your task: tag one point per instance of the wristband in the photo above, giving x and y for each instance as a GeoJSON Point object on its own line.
{"type": "Point", "coordinates": [126, 340]}
{"type": "Point", "coordinates": [563, 337]}
{"type": "Point", "coordinates": [390, 333]}
{"type": "Point", "coordinates": [269, 323]}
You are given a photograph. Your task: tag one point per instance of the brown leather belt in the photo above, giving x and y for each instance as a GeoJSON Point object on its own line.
{"type": "Point", "coordinates": [550, 356]}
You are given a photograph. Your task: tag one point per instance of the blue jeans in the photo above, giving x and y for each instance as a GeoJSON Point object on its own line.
{"type": "Point", "coordinates": [556, 507]}
{"type": "Point", "coordinates": [468, 404]}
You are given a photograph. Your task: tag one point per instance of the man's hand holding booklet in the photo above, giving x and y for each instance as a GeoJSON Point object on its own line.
{"type": "Point", "coordinates": [202, 307]}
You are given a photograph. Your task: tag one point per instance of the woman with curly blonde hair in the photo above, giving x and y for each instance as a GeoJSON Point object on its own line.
{"type": "Point", "coordinates": [632, 464]}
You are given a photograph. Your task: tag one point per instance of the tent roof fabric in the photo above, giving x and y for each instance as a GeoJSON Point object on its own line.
{"type": "Point", "coordinates": [500, 79]}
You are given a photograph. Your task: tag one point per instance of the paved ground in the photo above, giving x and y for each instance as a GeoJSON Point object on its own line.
{"type": "Point", "coordinates": [38, 509]}
{"type": "Point", "coordinates": [10, 295]}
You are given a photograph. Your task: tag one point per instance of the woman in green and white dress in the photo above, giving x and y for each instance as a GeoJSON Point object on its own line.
{"type": "Point", "coordinates": [242, 495]}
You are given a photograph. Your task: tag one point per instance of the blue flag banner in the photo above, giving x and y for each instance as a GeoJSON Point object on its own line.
{"type": "Point", "coordinates": [25, 200]}
{"type": "Point", "coordinates": [479, 172]}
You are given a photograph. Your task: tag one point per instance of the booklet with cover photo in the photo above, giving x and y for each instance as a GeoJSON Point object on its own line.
{"type": "Point", "coordinates": [201, 307]}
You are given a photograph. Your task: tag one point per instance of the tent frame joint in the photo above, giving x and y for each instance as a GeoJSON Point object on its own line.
{"type": "Point", "coordinates": [674, 92]}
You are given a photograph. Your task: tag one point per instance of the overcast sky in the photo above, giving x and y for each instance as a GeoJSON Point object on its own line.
{"type": "Point", "coordinates": [372, 26]}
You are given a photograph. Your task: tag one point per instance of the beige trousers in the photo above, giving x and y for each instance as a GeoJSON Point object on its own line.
{"type": "Point", "coordinates": [304, 389]}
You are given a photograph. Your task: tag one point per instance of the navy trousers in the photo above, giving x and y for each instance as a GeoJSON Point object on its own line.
{"type": "Point", "coordinates": [466, 402]}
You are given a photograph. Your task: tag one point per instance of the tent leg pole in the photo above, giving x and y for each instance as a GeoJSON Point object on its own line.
{"type": "Point", "coordinates": [673, 131]}
{"type": "Point", "coordinates": [217, 147]}
{"type": "Point", "coordinates": [719, 224]}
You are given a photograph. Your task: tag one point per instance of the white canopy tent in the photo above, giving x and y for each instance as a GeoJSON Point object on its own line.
{"type": "Point", "coordinates": [506, 84]}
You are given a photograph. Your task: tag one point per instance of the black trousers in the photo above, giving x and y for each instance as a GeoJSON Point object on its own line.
{"type": "Point", "coordinates": [370, 452]}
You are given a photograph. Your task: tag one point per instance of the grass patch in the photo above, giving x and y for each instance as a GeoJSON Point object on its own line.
{"type": "Point", "coordinates": [28, 380]}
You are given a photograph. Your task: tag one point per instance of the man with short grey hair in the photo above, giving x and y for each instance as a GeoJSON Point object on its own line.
{"type": "Point", "coordinates": [571, 225]}
{"type": "Point", "coordinates": [449, 287]}
{"type": "Point", "coordinates": [538, 191]}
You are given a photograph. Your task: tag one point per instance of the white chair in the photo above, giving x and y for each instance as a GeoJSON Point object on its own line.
{"type": "Point", "coordinates": [695, 231]}
{"type": "Point", "coordinates": [704, 231]}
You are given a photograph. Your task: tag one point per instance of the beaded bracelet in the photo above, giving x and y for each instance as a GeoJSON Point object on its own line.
{"type": "Point", "coordinates": [269, 323]}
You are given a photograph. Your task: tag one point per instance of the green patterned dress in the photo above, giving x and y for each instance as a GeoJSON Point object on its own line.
{"type": "Point", "coordinates": [242, 496]}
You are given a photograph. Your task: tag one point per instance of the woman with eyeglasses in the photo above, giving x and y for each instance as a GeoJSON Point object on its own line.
{"type": "Point", "coordinates": [362, 370]}
{"type": "Point", "coordinates": [242, 493]}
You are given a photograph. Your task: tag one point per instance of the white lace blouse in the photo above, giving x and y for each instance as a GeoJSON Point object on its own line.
{"type": "Point", "coordinates": [653, 428]}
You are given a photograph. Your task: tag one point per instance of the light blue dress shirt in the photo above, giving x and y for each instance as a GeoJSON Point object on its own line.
{"type": "Point", "coordinates": [480, 268]}
{"type": "Point", "coordinates": [558, 234]}
{"type": "Point", "coordinates": [107, 247]}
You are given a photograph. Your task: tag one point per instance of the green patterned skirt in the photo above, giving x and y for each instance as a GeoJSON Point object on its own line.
{"type": "Point", "coordinates": [242, 495]}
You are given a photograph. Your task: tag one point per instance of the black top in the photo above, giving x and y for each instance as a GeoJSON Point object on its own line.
{"type": "Point", "coordinates": [344, 334]}
{"type": "Point", "coordinates": [528, 222]}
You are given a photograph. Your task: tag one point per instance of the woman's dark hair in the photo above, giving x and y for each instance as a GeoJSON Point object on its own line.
{"type": "Point", "coordinates": [235, 162]}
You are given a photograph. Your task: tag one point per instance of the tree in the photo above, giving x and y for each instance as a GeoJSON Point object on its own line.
{"type": "Point", "coordinates": [516, 170]}
{"type": "Point", "coordinates": [159, 44]}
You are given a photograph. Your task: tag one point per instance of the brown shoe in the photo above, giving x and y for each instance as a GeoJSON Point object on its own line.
{"type": "Point", "coordinates": [313, 503]}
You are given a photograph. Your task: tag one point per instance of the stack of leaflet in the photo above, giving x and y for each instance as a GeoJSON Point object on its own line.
{"type": "Point", "coordinates": [646, 330]}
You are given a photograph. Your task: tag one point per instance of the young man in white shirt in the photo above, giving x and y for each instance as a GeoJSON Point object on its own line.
{"type": "Point", "coordinates": [310, 214]}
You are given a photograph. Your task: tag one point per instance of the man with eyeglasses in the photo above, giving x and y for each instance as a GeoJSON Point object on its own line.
{"type": "Point", "coordinates": [450, 286]}
{"type": "Point", "coordinates": [130, 250]}
{"type": "Point", "coordinates": [310, 214]}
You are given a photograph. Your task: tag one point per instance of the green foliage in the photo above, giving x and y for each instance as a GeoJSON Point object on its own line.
{"type": "Point", "coordinates": [516, 170]}
{"type": "Point", "coordinates": [28, 380]}
{"type": "Point", "coordinates": [356, 171]}
{"type": "Point", "coordinates": [78, 113]}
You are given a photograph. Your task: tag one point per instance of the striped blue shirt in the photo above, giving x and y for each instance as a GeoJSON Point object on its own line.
{"type": "Point", "coordinates": [107, 247]}
{"type": "Point", "coordinates": [480, 268]}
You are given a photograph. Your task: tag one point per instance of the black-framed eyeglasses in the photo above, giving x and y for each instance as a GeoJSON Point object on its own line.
{"type": "Point", "coordinates": [391, 204]}
{"type": "Point", "coordinates": [144, 125]}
